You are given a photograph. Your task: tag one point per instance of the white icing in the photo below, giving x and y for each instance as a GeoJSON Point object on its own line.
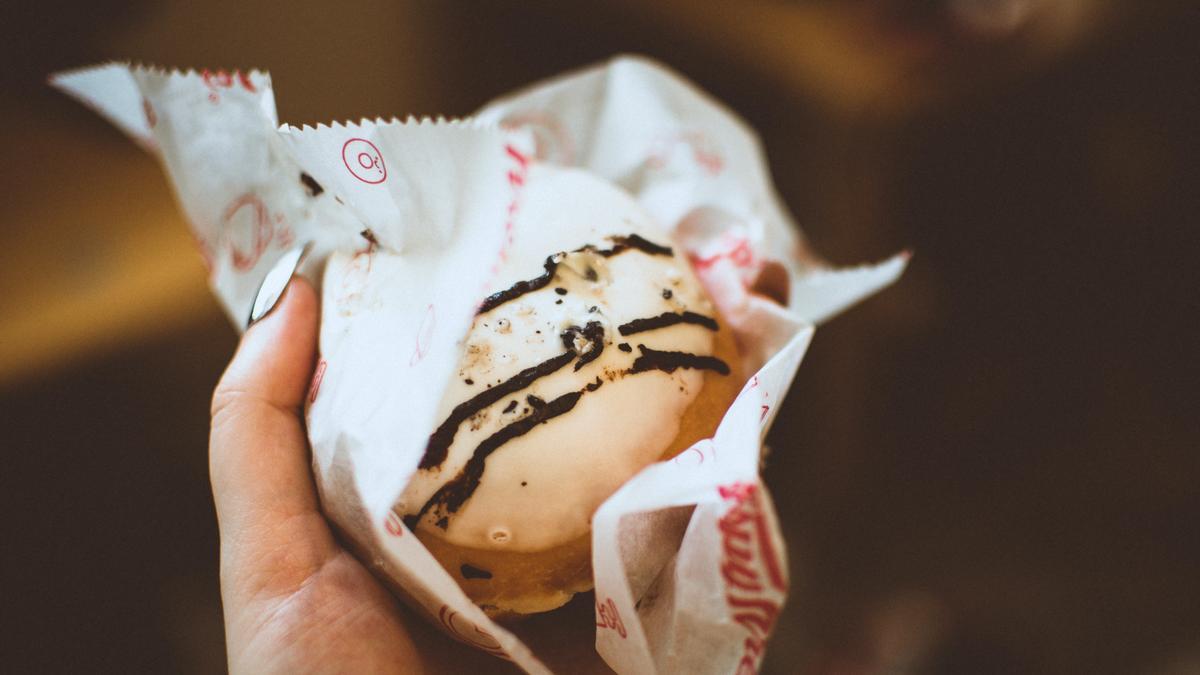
{"type": "Point", "coordinates": [540, 489]}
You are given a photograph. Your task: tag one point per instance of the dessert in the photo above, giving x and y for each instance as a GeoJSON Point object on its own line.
{"type": "Point", "coordinates": [580, 369]}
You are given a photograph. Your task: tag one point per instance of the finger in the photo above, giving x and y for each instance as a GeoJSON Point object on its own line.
{"type": "Point", "coordinates": [272, 534]}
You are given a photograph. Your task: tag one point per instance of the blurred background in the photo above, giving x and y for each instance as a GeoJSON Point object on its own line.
{"type": "Point", "coordinates": [989, 468]}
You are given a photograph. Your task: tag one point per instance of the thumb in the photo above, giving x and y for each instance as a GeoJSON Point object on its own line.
{"type": "Point", "coordinates": [272, 533]}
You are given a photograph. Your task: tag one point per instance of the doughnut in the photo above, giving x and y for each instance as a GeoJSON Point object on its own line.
{"type": "Point", "coordinates": [583, 365]}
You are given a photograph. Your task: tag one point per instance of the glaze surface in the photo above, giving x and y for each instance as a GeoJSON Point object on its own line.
{"type": "Point", "coordinates": [546, 416]}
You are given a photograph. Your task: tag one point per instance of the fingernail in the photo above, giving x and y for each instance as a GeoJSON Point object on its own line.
{"type": "Point", "coordinates": [275, 283]}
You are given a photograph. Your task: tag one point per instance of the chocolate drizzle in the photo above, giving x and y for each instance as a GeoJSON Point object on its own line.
{"type": "Point", "coordinates": [620, 244]}
{"type": "Point", "coordinates": [454, 493]}
{"type": "Point", "coordinates": [440, 440]}
{"type": "Point", "coordinates": [666, 319]}
{"type": "Point", "coordinates": [592, 345]}
{"type": "Point", "coordinates": [583, 345]}
{"type": "Point", "coordinates": [593, 334]}
{"type": "Point", "coordinates": [522, 287]}
{"type": "Point", "coordinates": [669, 362]}
{"type": "Point", "coordinates": [459, 489]}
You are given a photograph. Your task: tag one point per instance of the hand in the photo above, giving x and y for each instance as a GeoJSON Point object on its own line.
{"type": "Point", "coordinates": [294, 599]}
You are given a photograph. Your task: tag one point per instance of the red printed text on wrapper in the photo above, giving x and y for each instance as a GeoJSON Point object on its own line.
{"type": "Point", "coordinates": [355, 273]}
{"type": "Point", "coordinates": [516, 175]}
{"type": "Point", "coordinates": [364, 161]}
{"type": "Point", "coordinates": [220, 79]}
{"type": "Point", "coordinates": [464, 630]}
{"type": "Point", "coordinates": [248, 229]}
{"type": "Point", "coordinates": [751, 570]}
{"type": "Point", "coordinates": [607, 616]}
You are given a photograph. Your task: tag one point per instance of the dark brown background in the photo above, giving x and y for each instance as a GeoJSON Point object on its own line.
{"type": "Point", "coordinates": [990, 467]}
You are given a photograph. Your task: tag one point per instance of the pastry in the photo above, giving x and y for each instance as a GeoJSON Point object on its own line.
{"type": "Point", "coordinates": [576, 373]}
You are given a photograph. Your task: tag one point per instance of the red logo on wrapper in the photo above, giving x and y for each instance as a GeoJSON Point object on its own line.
{"type": "Point", "coordinates": [246, 218]}
{"type": "Point", "coordinates": [607, 616]}
{"type": "Point", "coordinates": [751, 570]}
{"type": "Point", "coordinates": [248, 229]}
{"type": "Point", "coordinates": [464, 630]}
{"type": "Point", "coordinates": [217, 80]}
{"type": "Point", "coordinates": [364, 161]}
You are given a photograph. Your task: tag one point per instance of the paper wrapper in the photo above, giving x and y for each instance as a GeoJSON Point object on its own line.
{"type": "Point", "coordinates": [407, 221]}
